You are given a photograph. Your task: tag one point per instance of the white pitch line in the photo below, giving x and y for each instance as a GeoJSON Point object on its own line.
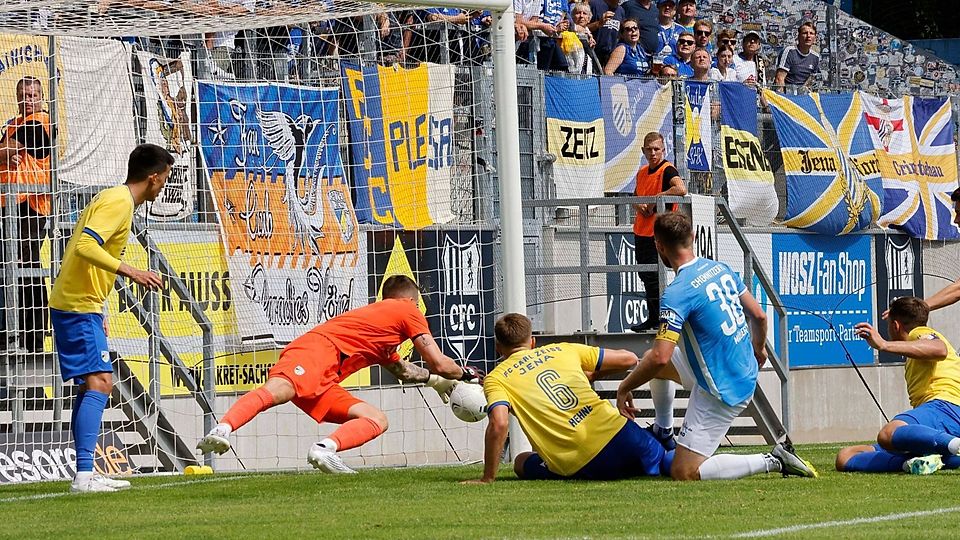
{"type": "Point", "coordinates": [153, 486]}
{"type": "Point", "coordinates": [858, 521]}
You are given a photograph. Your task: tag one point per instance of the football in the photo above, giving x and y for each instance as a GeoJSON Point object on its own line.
{"type": "Point", "coordinates": [468, 402]}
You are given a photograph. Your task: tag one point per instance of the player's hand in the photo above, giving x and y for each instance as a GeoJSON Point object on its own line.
{"type": "Point", "coordinates": [885, 314]}
{"type": "Point", "coordinates": [471, 375]}
{"type": "Point", "coordinates": [477, 481]}
{"type": "Point", "coordinates": [444, 387]}
{"type": "Point", "coordinates": [146, 278]}
{"type": "Point", "coordinates": [870, 335]}
{"type": "Point", "coordinates": [625, 404]}
{"type": "Point", "coordinates": [761, 356]}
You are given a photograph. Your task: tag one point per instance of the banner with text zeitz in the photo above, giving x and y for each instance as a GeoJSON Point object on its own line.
{"type": "Point", "coordinates": [824, 285]}
{"type": "Point", "coordinates": [899, 263]}
{"type": "Point", "coordinates": [455, 271]}
{"type": "Point", "coordinates": [290, 233]}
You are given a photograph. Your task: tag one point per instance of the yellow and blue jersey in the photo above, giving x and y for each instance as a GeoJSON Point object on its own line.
{"type": "Point", "coordinates": [932, 379]}
{"type": "Point", "coordinates": [702, 305]}
{"type": "Point", "coordinates": [91, 258]}
{"type": "Point", "coordinates": [546, 388]}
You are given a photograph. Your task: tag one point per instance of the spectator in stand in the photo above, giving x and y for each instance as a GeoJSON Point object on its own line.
{"type": "Point", "coordinates": [605, 25]}
{"type": "Point", "coordinates": [648, 19]}
{"type": "Point", "coordinates": [272, 47]}
{"type": "Point", "coordinates": [669, 31]}
{"type": "Point", "coordinates": [728, 37]}
{"type": "Point", "coordinates": [702, 32]}
{"type": "Point", "coordinates": [724, 72]}
{"type": "Point", "coordinates": [745, 63]}
{"type": "Point", "coordinates": [581, 16]}
{"type": "Point", "coordinates": [667, 74]}
{"type": "Point", "coordinates": [796, 65]}
{"type": "Point", "coordinates": [221, 47]}
{"type": "Point", "coordinates": [549, 55]}
{"type": "Point", "coordinates": [629, 58]}
{"type": "Point", "coordinates": [700, 62]}
{"type": "Point", "coordinates": [681, 59]}
{"type": "Point", "coordinates": [525, 12]}
{"type": "Point", "coordinates": [687, 14]}
{"type": "Point", "coordinates": [389, 38]}
{"type": "Point", "coordinates": [445, 33]}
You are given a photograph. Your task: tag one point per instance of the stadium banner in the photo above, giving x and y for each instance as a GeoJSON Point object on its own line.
{"type": "Point", "coordinates": [698, 137]}
{"type": "Point", "coordinates": [49, 455]}
{"type": "Point", "coordinates": [401, 143]}
{"type": "Point", "coordinates": [832, 170]}
{"type": "Point", "coordinates": [823, 281]}
{"type": "Point", "coordinates": [749, 178]}
{"type": "Point", "coordinates": [454, 269]}
{"type": "Point", "coordinates": [899, 263]}
{"type": "Point", "coordinates": [632, 108]}
{"type": "Point", "coordinates": [290, 234]}
{"type": "Point", "coordinates": [704, 213]}
{"type": "Point", "coordinates": [575, 136]}
{"type": "Point", "coordinates": [168, 92]}
{"type": "Point", "coordinates": [99, 118]}
{"type": "Point", "coordinates": [626, 295]}
{"type": "Point", "coordinates": [914, 138]}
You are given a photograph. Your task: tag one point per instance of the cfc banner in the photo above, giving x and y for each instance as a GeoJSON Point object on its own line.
{"type": "Point", "coordinates": [918, 163]}
{"type": "Point", "coordinates": [833, 174]}
{"type": "Point", "coordinates": [575, 136]}
{"type": "Point", "coordinates": [631, 109]}
{"type": "Point", "coordinates": [824, 285]}
{"type": "Point", "coordinates": [168, 91]}
{"type": "Point", "coordinates": [698, 138]}
{"type": "Point", "coordinates": [455, 272]}
{"type": "Point", "coordinates": [749, 178]}
{"type": "Point", "coordinates": [899, 273]}
{"type": "Point", "coordinates": [626, 296]}
{"type": "Point", "coordinates": [401, 143]}
{"type": "Point", "coordinates": [289, 231]}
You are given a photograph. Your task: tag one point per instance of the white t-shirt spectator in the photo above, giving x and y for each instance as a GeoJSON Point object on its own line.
{"type": "Point", "coordinates": [729, 76]}
{"type": "Point", "coordinates": [744, 68]}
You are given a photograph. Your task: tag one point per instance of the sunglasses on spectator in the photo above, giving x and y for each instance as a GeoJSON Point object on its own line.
{"type": "Point", "coordinates": [685, 42]}
{"type": "Point", "coordinates": [703, 32]}
{"type": "Point", "coordinates": [728, 41]}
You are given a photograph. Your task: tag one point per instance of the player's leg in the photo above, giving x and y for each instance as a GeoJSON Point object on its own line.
{"type": "Point", "coordinates": [530, 466]}
{"type": "Point", "coordinates": [869, 458]}
{"type": "Point", "coordinates": [359, 422]}
{"type": "Point", "coordinates": [662, 393]}
{"type": "Point", "coordinates": [631, 452]}
{"type": "Point", "coordinates": [931, 428]}
{"type": "Point", "coordinates": [276, 391]}
{"type": "Point", "coordinates": [646, 253]}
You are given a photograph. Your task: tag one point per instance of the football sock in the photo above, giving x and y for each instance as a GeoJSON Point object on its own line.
{"type": "Point", "coordinates": [662, 393]}
{"type": "Point", "coordinates": [922, 440]}
{"type": "Point", "coordinates": [355, 432]}
{"type": "Point", "coordinates": [878, 461]}
{"type": "Point", "coordinates": [248, 406]}
{"type": "Point", "coordinates": [329, 443]}
{"type": "Point", "coordinates": [76, 408]}
{"type": "Point", "coordinates": [951, 462]}
{"type": "Point", "coordinates": [733, 466]}
{"type": "Point", "coordinates": [954, 446]}
{"type": "Point", "coordinates": [666, 463]}
{"type": "Point", "coordinates": [86, 427]}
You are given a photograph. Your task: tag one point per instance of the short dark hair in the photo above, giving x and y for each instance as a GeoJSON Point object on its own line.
{"type": "Point", "coordinates": [807, 24]}
{"type": "Point", "coordinates": [909, 311]}
{"type": "Point", "coordinates": [400, 286]}
{"type": "Point", "coordinates": [955, 196]}
{"type": "Point", "coordinates": [31, 80]}
{"type": "Point", "coordinates": [147, 159]}
{"type": "Point", "coordinates": [673, 229]}
{"type": "Point", "coordinates": [512, 330]}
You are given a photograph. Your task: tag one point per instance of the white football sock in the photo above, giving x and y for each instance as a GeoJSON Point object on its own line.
{"type": "Point", "coordinates": [662, 393]}
{"type": "Point", "coordinates": [954, 446]}
{"type": "Point", "coordinates": [83, 476]}
{"type": "Point", "coordinates": [329, 443]}
{"type": "Point", "coordinates": [733, 466]}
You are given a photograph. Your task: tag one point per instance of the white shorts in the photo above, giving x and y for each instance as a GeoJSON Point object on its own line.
{"type": "Point", "coordinates": [708, 418]}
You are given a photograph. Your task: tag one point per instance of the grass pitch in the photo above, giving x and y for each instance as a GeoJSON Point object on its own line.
{"type": "Point", "coordinates": [430, 503]}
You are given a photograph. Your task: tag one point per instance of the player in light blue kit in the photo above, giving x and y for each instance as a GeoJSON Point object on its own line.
{"type": "Point", "coordinates": [709, 306]}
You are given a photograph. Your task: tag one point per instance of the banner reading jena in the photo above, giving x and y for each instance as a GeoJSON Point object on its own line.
{"type": "Point", "coordinates": [749, 178]}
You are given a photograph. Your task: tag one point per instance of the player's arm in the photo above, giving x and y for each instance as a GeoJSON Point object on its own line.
{"type": "Point", "coordinates": [103, 223]}
{"type": "Point", "coordinates": [926, 348]}
{"type": "Point", "coordinates": [616, 360]}
{"type": "Point", "coordinates": [652, 362]}
{"type": "Point", "coordinates": [498, 421]}
{"type": "Point", "coordinates": [676, 186]}
{"type": "Point", "coordinates": [440, 363]}
{"type": "Point", "coordinates": [946, 296]}
{"type": "Point", "coordinates": [757, 319]}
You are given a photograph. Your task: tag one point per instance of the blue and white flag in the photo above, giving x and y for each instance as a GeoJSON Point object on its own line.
{"type": "Point", "coordinates": [698, 138]}
{"type": "Point", "coordinates": [575, 136]}
{"type": "Point", "coordinates": [631, 109]}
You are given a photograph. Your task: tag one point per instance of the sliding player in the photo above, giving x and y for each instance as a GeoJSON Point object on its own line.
{"type": "Point", "coordinates": [709, 305]}
{"type": "Point", "coordinates": [311, 367]}
{"type": "Point", "coordinates": [926, 438]}
{"type": "Point", "coordinates": [575, 433]}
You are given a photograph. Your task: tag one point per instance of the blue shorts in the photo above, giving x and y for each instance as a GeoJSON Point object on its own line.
{"type": "Point", "coordinates": [937, 414]}
{"type": "Point", "coordinates": [81, 344]}
{"type": "Point", "coordinates": [631, 452]}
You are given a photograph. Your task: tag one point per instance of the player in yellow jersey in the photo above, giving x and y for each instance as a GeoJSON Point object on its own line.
{"type": "Point", "coordinates": [575, 433]}
{"type": "Point", "coordinates": [927, 437]}
{"type": "Point", "coordinates": [90, 266]}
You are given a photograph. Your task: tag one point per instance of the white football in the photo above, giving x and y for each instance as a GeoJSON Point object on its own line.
{"type": "Point", "coordinates": [468, 402]}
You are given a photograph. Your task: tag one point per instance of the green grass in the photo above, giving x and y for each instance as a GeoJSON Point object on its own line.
{"type": "Point", "coordinates": [430, 503]}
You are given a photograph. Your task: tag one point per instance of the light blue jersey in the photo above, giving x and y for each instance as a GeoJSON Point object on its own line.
{"type": "Point", "coordinates": [702, 305]}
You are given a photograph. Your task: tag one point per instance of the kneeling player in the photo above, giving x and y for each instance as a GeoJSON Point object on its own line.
{"type": "Point", "coordinates": [926, 438]}
{"type": "Point", "coordinates": [575, 433]}
{"type": "Point", "coordinates": [311, 367]}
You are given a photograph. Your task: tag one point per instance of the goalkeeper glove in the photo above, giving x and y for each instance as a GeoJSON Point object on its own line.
{"type": "Point", "coordinates": [471, 375]}
{"type": "Point", "coordinates": [443, 386]}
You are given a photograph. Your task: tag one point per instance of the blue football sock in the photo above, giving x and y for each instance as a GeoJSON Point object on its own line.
{"type": "Point", "coordinates": [878, 461]}
{"type": "Point", "coordinates": [952, 462]}
{"type": "Point", "coordinates": [76, 407]}
{"type": "Point", "coordinates": [920, 440]}
{"type": "Point", "coordinates": [86, 427]}
{"type": "Point", "coordinates": [666, 463]}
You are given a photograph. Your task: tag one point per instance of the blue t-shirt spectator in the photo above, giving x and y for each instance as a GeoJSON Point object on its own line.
{"type": "Point", "coordinates": [635, 60]}
{"type": "Point", "coordinates": [608, 35]}
{"type": "Point", "coordinates": [667, 40]}
{"type": "Point", "coordinates": [684, 69]}
{"type": "Point", "coordinates": [648, 19]}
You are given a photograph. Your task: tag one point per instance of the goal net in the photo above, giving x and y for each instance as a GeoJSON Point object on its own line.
{"type": "Point", "coordinates": [320, 147]}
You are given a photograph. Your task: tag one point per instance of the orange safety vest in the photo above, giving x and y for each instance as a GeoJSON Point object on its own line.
{"type": "Point", "coordinates": [649, 184]}
{"type": "Point", "coordinates": [34, 167]}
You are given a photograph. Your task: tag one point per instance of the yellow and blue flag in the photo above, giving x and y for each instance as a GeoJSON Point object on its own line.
{"type": "Point", "coordinates": [749, 178]}
{"type": "Point", "coordinates": [575, 136]}
{"type": "Point", "coordinates": [698, 138]}
{"type": "Point", "coordinates": [833, 173]}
